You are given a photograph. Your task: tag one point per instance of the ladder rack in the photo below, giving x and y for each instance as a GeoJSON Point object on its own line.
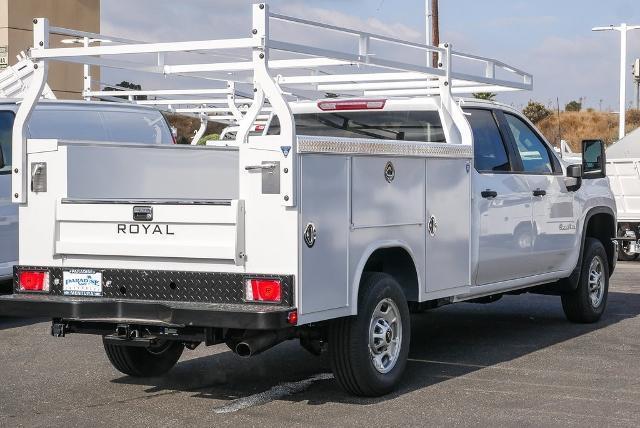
{"type": "Point", "coordinates": [348, 63]}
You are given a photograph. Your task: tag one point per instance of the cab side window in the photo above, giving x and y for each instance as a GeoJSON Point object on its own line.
{"type": "Point", "coordinates": [6, 128]}
{"type": "Point", "coordinates": [490, 153]}
{"type": "Point", "coordinates": [533, 152]}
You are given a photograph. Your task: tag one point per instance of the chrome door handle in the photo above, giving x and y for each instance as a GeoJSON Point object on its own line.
{"type": "Point", "coordinates": [263, 167]}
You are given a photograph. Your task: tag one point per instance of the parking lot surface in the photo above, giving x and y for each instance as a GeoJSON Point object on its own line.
{"type": "Point", "coordinates": [516, 362]}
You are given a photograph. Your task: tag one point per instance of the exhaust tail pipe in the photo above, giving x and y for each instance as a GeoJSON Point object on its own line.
{"type": "Point", "coordinates": [253, 345]}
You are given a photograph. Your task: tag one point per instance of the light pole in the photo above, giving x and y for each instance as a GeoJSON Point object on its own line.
{"type": "Point", "coordinates": [623, 29]}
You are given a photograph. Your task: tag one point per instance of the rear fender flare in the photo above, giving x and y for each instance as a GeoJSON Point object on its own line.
{"type": "Point", "coordinates": [366, 255]}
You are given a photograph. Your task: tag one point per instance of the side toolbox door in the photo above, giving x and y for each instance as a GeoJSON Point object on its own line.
{"type": "Point", "coordinates": [8, 210]}
{"type": "Point", "coordinates": [501, 203]}
{"type": "Point", "coordinates": [554, 214]}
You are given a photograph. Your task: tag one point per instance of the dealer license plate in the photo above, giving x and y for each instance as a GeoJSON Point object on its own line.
{"type": "Point", "coordinates": [80, 282]}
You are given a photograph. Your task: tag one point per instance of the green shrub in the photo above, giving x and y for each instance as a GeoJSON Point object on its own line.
{"type": "Point", "coordinates": [210, 137]}
{"type": "Point", "coordinates": [536, 112]}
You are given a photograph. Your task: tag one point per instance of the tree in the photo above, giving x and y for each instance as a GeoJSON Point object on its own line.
{"type": "Point", "coordinates": [490, 96]}
{"type": "Point", "coordinates": [127, 85]}
{"type": "Point", "coordinates": [573, 106]}
{"type": "Point", "coordinates": [536, 112]}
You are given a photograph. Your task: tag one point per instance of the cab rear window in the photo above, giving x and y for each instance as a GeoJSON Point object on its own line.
{"type": "Point", "coordinates": [423, 126]}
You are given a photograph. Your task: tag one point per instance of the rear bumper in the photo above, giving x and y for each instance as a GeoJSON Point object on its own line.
{"type": "Point", "coordinates": [153, 297]}
{"type": "Point", "coordinates": [176, 314]}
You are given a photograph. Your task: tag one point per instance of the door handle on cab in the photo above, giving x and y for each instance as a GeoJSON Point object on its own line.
{"type": "Point", "coordinates": [539, 192]}
{"type": "Point", "coordinates": [489, 194]}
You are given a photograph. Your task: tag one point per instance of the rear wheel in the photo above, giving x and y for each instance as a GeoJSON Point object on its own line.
{"type": "Point", "coordinates": [144, 362]}
{"type": "Point", "coordinates": [368, 353]}
{"type": "Point", "coordinates": [586, 304]}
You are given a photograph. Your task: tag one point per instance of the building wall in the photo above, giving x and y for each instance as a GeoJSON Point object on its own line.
{"type": "Point", "coordinates": [16, 32]}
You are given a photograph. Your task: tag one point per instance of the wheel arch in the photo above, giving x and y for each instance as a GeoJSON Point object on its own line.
{"type": "Point", "coordinates": [599, 223]}
{"type": "Point", "coordinates": [394, 258]}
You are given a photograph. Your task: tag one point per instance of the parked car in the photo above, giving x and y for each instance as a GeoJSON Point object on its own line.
{"type": "Point", "coordinates": [73, 121]}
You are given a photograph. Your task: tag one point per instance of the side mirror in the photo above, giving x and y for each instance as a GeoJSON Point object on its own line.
{"type": "Point", "coordinates": [2, 165]}
{"type": "Point", "coordinates": [594, 161]}
{"type": "Point", "coordinates": [574, 178]}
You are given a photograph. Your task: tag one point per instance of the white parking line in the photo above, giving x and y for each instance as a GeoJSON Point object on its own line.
{"type": "Point", "coordinates": [275, 393]}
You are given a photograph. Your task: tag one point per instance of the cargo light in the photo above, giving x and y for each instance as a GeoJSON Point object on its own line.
{"type": "Point", "coordinates": [29, 280]}
{"type": "Point", "coordinates": [263, 290]}
{"type": "Point", "coordinates": [352, 105]}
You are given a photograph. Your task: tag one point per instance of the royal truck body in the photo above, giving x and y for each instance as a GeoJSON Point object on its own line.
{"type": "Point", "coordinates": [344, 215]}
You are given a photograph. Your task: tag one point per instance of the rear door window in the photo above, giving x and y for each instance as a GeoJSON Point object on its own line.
{"type": "Point", "coordinates": [489, 149]}
{"type": "Point", "coordinates": [6, 129]}
{"type": "Point", "coordinates": [422, 126]}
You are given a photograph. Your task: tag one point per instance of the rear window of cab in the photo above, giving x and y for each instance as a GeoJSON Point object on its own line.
{"type": "Point", "coordinates": [421, 126]}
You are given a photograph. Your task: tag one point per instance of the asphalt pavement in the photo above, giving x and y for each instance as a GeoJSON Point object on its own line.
{"type": "Point", "coordinates": [516, 362]}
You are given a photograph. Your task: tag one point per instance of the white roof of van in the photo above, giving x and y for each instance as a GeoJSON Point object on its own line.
{"type": "Point", "coordinates": [628, 147]}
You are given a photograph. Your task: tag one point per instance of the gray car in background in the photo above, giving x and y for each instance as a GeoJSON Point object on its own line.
{"type": "Point", "coordinates": [75, 121]}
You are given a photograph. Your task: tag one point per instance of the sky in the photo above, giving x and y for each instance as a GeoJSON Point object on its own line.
{"type": "Point", "coordinates": [550, 39]}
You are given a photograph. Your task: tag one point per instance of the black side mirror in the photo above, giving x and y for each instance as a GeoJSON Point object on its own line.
{"type": "Point", "coordinates": [594, 160]}
{"type": "Point", "coordinates": [2, 165]}
{"type": "Point", "coordinates": [574, 178]}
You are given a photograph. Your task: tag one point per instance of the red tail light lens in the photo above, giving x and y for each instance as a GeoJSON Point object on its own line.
{"type": "Point", "coordinates": [33, 281]}
{"type": "Point", "coordinates": [260, 128]}
{"type": "Point", "coordinates": [292, 318]}
{"type": "Point", "coordinates": [352, 105]}
{"type": "Point", "coordinates": [263, 290]}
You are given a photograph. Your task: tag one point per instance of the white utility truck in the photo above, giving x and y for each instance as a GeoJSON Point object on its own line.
{"type": "Point", "coordinates": [623, 167]}
{"type": "Point", "coordinates": [389, 196]}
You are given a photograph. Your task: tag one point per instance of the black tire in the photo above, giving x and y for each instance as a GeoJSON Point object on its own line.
{"type": "Point", "coordinates": [349, 350]}
{"type": "Point", "coordinates": [144, 362]}
{"type": "Point", "coordinates": [579, 306]}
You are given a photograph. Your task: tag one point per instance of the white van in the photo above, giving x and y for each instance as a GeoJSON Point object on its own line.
{"type": "Point", "coordinates": [75, 121]}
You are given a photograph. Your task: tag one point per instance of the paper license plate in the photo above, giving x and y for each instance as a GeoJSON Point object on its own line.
{"type": "Point", "coordinates": [82, 283]}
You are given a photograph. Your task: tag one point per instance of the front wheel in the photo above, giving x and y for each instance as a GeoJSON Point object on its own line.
{"type": "Point", "coordinates": [368, 353]}
{"type": "Point", "coordinates": [144, 362]}
{"type": "Point", "coordinates": [586, 304]}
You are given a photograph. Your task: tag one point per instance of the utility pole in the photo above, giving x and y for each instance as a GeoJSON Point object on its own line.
{"type": "Point", "coordinates": [435, 29]}
{"type": "Point", "coordinates": [432, 30]}
{"type": "Point", "coordinates": [623, 29]}
{"type": "Point", "coordinates": [636, 78]}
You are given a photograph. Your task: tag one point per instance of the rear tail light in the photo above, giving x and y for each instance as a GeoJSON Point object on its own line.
{"type": "Point", "coordinates": [292, 317]}
{"type": "Point", "coordinates": [260, 128]}
{"type": "Point", "coordinates": [263, 290]}
{"type": "Point", "coordinates": [29, 280]}
{"type": "Point", "coordinates": [352, 105]}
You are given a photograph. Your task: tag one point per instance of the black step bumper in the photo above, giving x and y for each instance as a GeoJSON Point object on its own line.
{"type": "Point", "coordinates": [117, 311]}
